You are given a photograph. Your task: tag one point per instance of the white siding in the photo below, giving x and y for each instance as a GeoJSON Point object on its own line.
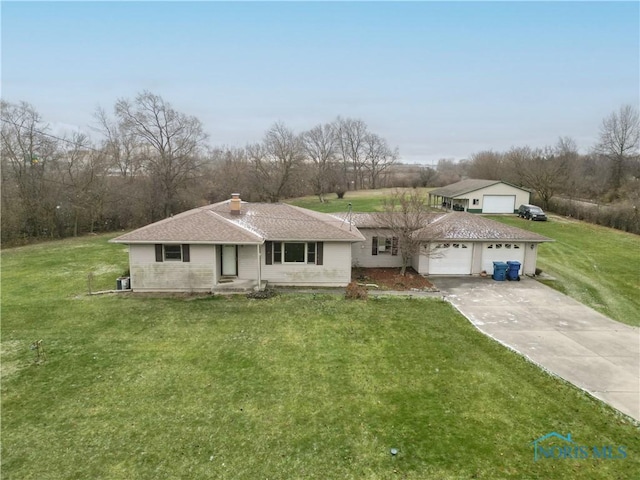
{"type": "Point", "coordinates": [521, 196]}
{"type": "Point", "coordinates": [248, 262]}
{"type": "Point", "coordinates": [335, 271]}
{"type": "Point", "coordinates": [530, 258]}
{"type": "Point", "coordinates": [420, 263]}
{"type": "Point", "coordinates": [361, 251]}
{"type": "Point", "coordinates": [507, 251]}
{"type": "Point", "coordinates": [149, 275]}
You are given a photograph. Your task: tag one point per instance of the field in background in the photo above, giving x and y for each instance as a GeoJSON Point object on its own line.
{"type": "Point", "coordinates": [360, 200]}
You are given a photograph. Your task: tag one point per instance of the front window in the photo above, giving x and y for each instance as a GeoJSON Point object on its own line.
{"type": "Point", "coordinates": [384, 245]}
{"type": "Point", "coordinates": [295, 252]}
{"type": "Point", "coordinates": [173, 252]}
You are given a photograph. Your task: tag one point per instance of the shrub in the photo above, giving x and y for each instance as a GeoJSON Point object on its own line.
{"type": "Point", "coordinates": [356, 292]}
{"type": "Point", "coordinates": [262, 294]}
{"type": "Point", "coordinates": [621, 216]}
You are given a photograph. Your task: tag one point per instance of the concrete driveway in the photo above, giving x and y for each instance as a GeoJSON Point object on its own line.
{"type": "Point", "coordinates": [563, 336]}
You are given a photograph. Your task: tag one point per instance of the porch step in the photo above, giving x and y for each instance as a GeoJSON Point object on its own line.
{"type": "Point", "coordinates": [235, 285]}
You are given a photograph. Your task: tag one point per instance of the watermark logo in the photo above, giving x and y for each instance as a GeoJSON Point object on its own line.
{"type": "Point", "coordinates": [555, 446]}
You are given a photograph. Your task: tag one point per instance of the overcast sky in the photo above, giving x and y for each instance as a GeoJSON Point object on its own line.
{"type": "Point", "coordinates": [436, 79]}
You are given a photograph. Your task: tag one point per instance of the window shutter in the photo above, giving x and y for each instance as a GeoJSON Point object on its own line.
{"type": "Point", "coordinates": [374, 246]}
{"type": "Point", "coordinates": [319, 252]}
{"type": "Point", "coordinates": [269, 253]}
{"type": "Point", "coordinates": [394, 246]}
{"type": "Point", "coordinates": [159, 252]}
{"type": "Point", "coordinates": [186, 253]}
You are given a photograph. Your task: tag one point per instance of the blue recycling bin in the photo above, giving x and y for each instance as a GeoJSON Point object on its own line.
{"type": "Point", "coordinates": [513, 272]}
{"type": "Point", "coordinates": [500, 271]}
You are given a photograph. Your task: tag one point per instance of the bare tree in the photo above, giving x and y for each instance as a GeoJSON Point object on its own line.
{"type": "Point", "coordinates": [29, 155]}
{"type": "Point", "coordinates": [231, 172]}
{"type": "Point", "coordinates": [620, 142]}
{"type": "Point", "coordinates": [276, 161]}
{"type": "Point", "coordinates": [566, 151]}
{"type": "Point", "coordinates": [449, 171]}
{"type": "Point", "coordinates": [488, 165]}
{"type": "Point", "coordinates": [378, 158]}
{"type": "Point", "coordinates": [83, 172]}
{"type": "Point", "coordinates": [119, 145]}
{"type": "Point", "coordinates": [404, 213]}
{"type": "Point", "coordinates": [351, 135]}
{"type": "Point", "coordinates": [541, 169]}
{"type": "Point", "coordinates": [321, 146]}
{"type": "Point", "coordinates": [427, 177]}
{"type": "Point", "coordinates": [173, 140]}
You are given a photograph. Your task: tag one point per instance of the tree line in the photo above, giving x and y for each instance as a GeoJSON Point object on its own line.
{"type": "Point", "coordinates": [600, 186]}
{"type": "Point", "coordinates": [153, 161]}
{"type": "Point", "coordinates": [608, 173]}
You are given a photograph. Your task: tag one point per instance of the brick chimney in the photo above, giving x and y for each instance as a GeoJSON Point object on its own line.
{"type": "Point", "coordinates": [235, 204]}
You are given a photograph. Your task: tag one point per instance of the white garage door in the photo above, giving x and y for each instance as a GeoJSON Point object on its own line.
{"type": "Point", "coordinates": [498, 203]}
{"type": "Point", "coordinates": [501, 252]}
{"type": "Point", "coordinates": [450, 259]}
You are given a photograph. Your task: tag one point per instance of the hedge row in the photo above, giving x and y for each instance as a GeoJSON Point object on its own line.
{"type": "Point", "coordinates": [620, 216]}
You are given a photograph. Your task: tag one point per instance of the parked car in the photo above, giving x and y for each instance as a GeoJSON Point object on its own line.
{"type": "Point", "coordinates": [531, 212]}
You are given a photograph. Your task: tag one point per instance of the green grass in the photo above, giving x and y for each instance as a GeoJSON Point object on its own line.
{"type": "Point", "coordinates": [597, 266]}
{"type": "Point", "coordinates": [360, 200]}
{"type": "Point", "coordinates": [292, 387]}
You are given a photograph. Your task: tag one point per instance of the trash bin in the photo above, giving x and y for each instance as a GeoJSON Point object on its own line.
{"type": "Point", "coordinates": [513, 273]}
{"type": "Point", "coordinates": [119, 283]}
{"type": "Point", "coordinates": [499, 271]}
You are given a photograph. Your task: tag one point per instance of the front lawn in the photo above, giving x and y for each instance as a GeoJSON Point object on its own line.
{"type": "Point", "coordinates": [298, 386]}
{"type": "Point", "coordinates": [596, 265]}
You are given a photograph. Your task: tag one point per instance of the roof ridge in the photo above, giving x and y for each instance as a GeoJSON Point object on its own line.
{"type": "Point", "coordinates": [237, 225]}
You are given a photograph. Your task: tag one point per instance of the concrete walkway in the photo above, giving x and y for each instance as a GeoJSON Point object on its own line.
{"type": "Point", "coordinates": [563, 336]}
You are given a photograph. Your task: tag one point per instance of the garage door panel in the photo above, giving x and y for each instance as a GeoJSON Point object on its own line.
{"type": "Point", "coordinates": [451, 259]}
{"type": "Point", "coordinates": [498, 203]}
{"type": "Point", "coordinates": [501, 252]}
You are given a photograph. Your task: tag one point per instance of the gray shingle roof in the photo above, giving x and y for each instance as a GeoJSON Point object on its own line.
{"type": "Point", "coordinates": [467, 226]}
{"type": "Point", "coordinates": [256, 223]}
{"type": "Point", "coordinates": [466, 186]}
{"type": "Point", "coordinates": [454, 226]}
{"type": "Point", "coordinates": [376, 219]}
{"type": "Point", "coordinates": [280, 221]}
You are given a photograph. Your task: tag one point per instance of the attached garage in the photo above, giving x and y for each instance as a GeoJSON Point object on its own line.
{"type": "Point", "coordinates": [452, 258]}
{"type": "Point", "coordinates": [498, 203]}
{"type": "Point", "coordinates": [456, 243]}
{"type": "Point", "coordinates": [502, 252]}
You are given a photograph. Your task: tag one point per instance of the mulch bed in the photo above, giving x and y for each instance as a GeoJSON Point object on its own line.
{"type": "Point", "coordinates": [390, 278]}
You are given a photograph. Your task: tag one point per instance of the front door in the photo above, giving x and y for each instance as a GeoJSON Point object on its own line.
{"type": "Point", "coordinates": [229, 261]}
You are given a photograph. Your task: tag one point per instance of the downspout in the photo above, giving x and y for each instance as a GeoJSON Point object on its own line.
{"type": "Point", "coordinates": [259, 269]}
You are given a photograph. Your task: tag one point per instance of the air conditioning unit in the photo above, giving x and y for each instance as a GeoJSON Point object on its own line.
{"type": "Point", "coordinates": [382, 248]}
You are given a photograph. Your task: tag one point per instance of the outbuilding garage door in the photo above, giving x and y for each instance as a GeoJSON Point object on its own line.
{"type": "Point", "coordinates": [450, 259]}
{"type": "Point", "coordinates": [498, 203]}
{"type": "Point", "coordinates": [501, 252]}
